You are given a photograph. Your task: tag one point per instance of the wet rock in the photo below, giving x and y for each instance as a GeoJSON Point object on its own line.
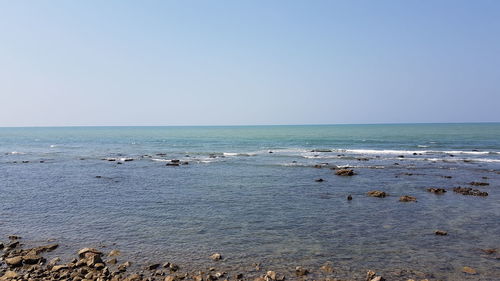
{"type": "Point", "coordinates": [469, 270]}
{"type": "Point", "coordinates": [319, 180]}
{"type": "Point", "coordinates": [133, 277]}
{"type": "Point", "coordinates": [172, 164]}
{"type": "Point", "coordinates": [14, 237]}
{"type": "Point", "coordinates": [447, 177]}
{"type": "Point", "coordinates": [92, 259]}
{"type": "Point", "coordinates": [300, 271]}
{"type": "Point", "coordinates": [470, 191]}
{"type": "Point", "coordinates": [436, 190]}
{"type": "Point", "coordinates": [99, 265]}
{"type": "Point", "coordinates": [327, 268]}
{"type": "Point", "coordinates": [376, 193]}
{"type": "Point", "coordinates": [372, 276]}
{"type": "Point", "coordinates": [345, 172]}
{"type": "Point", "coordinates": [440, 232]}
{"type": "Point", "coordinates": [216, 256]}
{"type": "Point", "coordinates": [123, 267]}
{"type": "Point", "coordinates": [477, 183]}
{"type": "Point", "coordinates": [9, 274]}
{"type": "Point", "coordinates": [407, 198]}
{"type": "Point", "coordinates": [349, 197]}
{"type": "Point", "coordinates": [173, 267]}
{"type": "Point", "coordinates": [114, 253]}
{"type": "Point", "coordinates": [53, 262]}
{"type": "Point", "coordinates": [175, 160]}
{"type": "Point", "coordinates": [271, 275]}
{"type": "Point", "coordinates": [112, 261]}
{"type": "Point", "coordinates": [14, 262]}
{"type": "Point", "coordinates": [153, 266]}
{"type": "Point", "coordinates": [239, 276]}
{"type": "Point", "coordinates": [32, 259]}
{"type": "Point", "coordinates": [170, 278]}
{"type": "Point", "coordinates": [321, 150]}
{"type": "Point", "coordinates": [59, 267]}
{"type": "Point", "coordinates": [489, 251]}
{"type": "Point", "coordinates": [401, 156]}
{"type": "Point", "coordinates": [83, 253]}
{"type": "Point", "coordinates": [1, 245]}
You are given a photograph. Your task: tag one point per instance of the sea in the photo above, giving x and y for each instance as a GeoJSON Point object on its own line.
{"type": "Point", "coordinates": [252, 194]}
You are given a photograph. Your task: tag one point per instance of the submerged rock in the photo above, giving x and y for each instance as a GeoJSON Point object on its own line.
{"type": "Point", "coordinates": [216, 256]}
{"type": "Point", "coordinates": [349, 197]}
{"type": "Point", "coordinates": [436, 190]}
{"type": "Point", "coordinates": [407, 198]}
{"type": "Point", "coordinates": [440, 232]}
{"type": "Point", "coordinates": [470, 191]}
{"type": "Point", "coordinates": [477, 183]}
{"type": "Point", "coordinates": [321, 150]}
{"type": "Point", "coordinates": [469, 270]}
{"type": "Point", "coordinates": [300, 271]}
{"type": "Point", "coordinates": [345, 172]}
{"type": "Point", "coordinates": [376, 193]}
{"type": "Point", "coordinates": [172, 164]}
{"type": "Point", "coordinates": [319, 180]}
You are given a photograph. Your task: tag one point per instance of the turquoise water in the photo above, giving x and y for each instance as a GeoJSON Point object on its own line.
{"type": "Point", "coordinates": [250, 193]}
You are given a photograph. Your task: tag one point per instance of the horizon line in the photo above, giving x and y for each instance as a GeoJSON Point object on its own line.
{"type": "Point", "coordinates": [253, 125]}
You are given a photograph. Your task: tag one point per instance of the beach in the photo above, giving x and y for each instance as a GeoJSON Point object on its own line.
{"type": "Point", "coordinates": [407, 201]}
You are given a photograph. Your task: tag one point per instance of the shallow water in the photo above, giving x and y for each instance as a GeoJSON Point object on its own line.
{"type": "Point", "coordinates": [237, 198]}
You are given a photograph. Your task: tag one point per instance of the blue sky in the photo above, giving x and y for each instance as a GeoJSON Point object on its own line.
{"type": "Point", "coordinates": [248, 62]}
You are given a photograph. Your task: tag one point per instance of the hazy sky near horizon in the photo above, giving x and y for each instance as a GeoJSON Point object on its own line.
{"type": "Point", "coordinates": [248, 62]}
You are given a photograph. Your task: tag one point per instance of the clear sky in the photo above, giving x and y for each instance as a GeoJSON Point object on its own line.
{"type": "Point", "coordinates": [248, 62]}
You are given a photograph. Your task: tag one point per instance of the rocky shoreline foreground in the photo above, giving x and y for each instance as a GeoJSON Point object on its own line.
{"type": "Point", "coordinates": [90, 264]}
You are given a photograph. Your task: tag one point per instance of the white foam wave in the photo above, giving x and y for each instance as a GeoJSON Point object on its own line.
{"type": "Point", "coordinates": [238, 154]}
{"type": "Point", "coordinates": [422, 146]}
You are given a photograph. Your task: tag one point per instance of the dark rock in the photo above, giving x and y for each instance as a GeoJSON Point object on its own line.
{"type": "Point", "coordinates": [172, 164]}
{"type": "Point", "coordinates": [14, 237]}
{"type": "Point", "coordinates": [14, 262]}
{"type": "Point", "coordinates": [436, 190]}
{"type": "Point", "coordinates": [319, 180]}
{"type": "Point", "coordinates": [173, 267]}
{"type": "Point", "coordinates": [469, 191]}
{"type": "Point", "coordinates": [376, 193]}
{"type": "Point", "coordinates": [440, 232]}
{"type": "Point", "coordinates": [476, 183]}
{"type": "Point", "coordinates": [349, 197]}
{"type": "Point", "coordinates": [32, 259]}
{"type": "Point", "coordinates": [345, 172]}
{"type": "Point", "coordinates": [175, 160]}
{"type": "Point", "coordinates": [489, 251]}
{"type": "Point", "coordinates": [300, 271]}
{"type": "Point", "coordinates": [216, 256]}
{"type": "Point", "coordinates": [407, 198]}
{"type": "Point", "coordinates": [321, 150]}
{"type": "Point", "coordinates": [401, 156]}
{"type": "Point", "coordinates": [153, 266]}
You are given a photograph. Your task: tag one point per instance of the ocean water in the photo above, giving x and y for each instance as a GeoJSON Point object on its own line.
{"type": "Point", "coordinates": [250, 193]}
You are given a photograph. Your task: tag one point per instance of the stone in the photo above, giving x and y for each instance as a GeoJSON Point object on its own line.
{"type": "Point", "coordinates": [407, 198]}
{"type": "Point", "coordinates": [327, 268]}
{"type": "Point", "coordinates": [349, 197]}
{"type": "Point", "coordinates": [9, 275]}
{"type": "Point", "coordinates": [319, 180]}
{"type": "Point", "coordinates": [112, 261]}
{"type": "Point", "coordinates": [489, 251]}
{"type": "Point", "coordinates": [170, 278]}
{"type": "Point", "coordinates": [470, 191]}
{"type": "Point", "coordinates": [14, 237]}
{"type": "Point", "coordinates": [83, 252]}
{"type": "Point", "coordinates": [172, 164]}
{"type": "Point", "coordinates": [469, 270]}
{"type": "Point", "coordinates": [114, 253]}
{"type": "Point", "coordinates": [436, 190]}
{"type": "Point", "coordinates": [370, 275]}
{"type": "Point", "coordinates": [271, 275]}
{"type": "Point", "coordinates": [476, 183]}
{"type": "Point", "coordinates": [216, 256]}
{"type": "Point", "coordinates": [59, 267]}
{"type": "Point", "coordinates": [14, 262]}
{"type": "Point", "coordinates": [239, 276]}
{"type": "Point", "coordinates": [153, 266]}
{"type": "Point", "coordinates": [300, 271]}
{"type": "Point", "coordinates": [32, 259]}
{"type": "Point", "coordinates": [376, 193]}
{"type": "Point", "coordinates": [123, 267]}
{"type": "Point", "coordinates": [345, 172]}
{"type": "Point", "coordinates": [321, 150]}
{"type": "Point", "coordinates": [99, 266]}
{"type": "Point", "coordinates": [53, 262]}
{"type": "Point", "coordinates": [440, 232]}
{"type": "Point", "coordinates": [173, 267]}
{"type": "Point", "coordinates": [93, 259]}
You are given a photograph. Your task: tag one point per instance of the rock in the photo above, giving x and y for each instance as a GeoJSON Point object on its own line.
{"type": "Point", "coordinates": [376, 193]}
{"type": "Point", "coordinates": [470, 191]}
{"type": "Point", "coordinates": [133, 277]}
{"type": "Point", "coordinates": [14, 237]}
{"type": "Point", "coordinates": [327, 268]}
{"type": "Point", "coordinates": [370, 275]}
{"type": "Point", "coordinates": [175, 160]}
{"type": "Point", "coordinates": [93, 259]}
{"type": "Point", "coordinates": [319, 180]}
{"type": "Point", "coordinates": [99, 265]}
{"type": "Point", "coordinates": [345, 172]}
{"type": "Point", "coordinates": [440, 232]}
{"type": "Point", "coordinates": [12, 245]}
{"type": "Point", "coordinates": [300, 271]}
{"type": "Point", "coordinates": [32, 259]}
{"type": "Point", "coordinates": [53, 262]}
{"type": "Point", "coordinates": [239, 276]}
{"type": "Point", "coordinates": [349, 197]}
{"type": "Point", "coordinates": [321, 150]}
{"type": "Point", "coordinates": [172, 164]}
{"type": "Point", "coordinates": [216, 256]}
{"type": "Point", "coordinates": [123, 267]}
{"type": "Point", "coordinates": [271, 275]}
{"type": "Point", "coordinates": [476, 183]}
{"type": "Point", "coordinates": [9, 275]}
{"type": "Point", "coordinates": [112, 261]}
{"type": "Point", "coordinates": [170, 278]}
{"type": "Point", "coordinates": [1, 245]}
{"type": "Point", "coordinates": [469, 270]}
{"type": "Point", "coordinates": [86, 251]}
{"type": "Point", "coordinates": [489, 251]}
{"type": "Point", "coordinates": [114, 253]}
{"type": "Point", "coordinates": [59, 267]}
{"type": "Point", "coordinates": [153, 266]}
{"type": "Point", "coordinates": [173, 267]}
{"type": "Point", "coordinates": [436, 190]}
{"type": "Point", "coordinates": [14, 262]}
{"type": "Point", "coordinates": [407, 198]}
